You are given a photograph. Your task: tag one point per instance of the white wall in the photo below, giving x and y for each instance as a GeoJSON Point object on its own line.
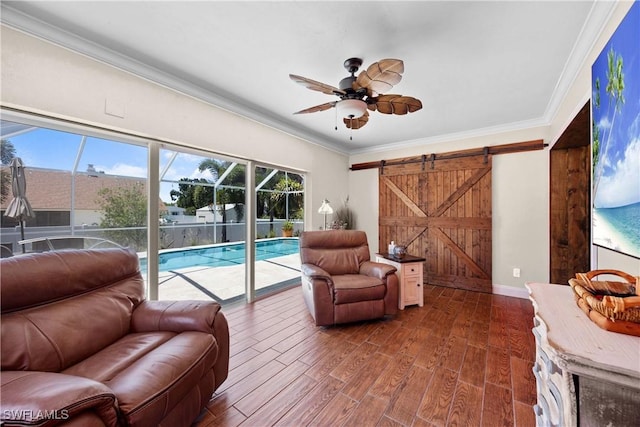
{"type": "Point", "coordinates": [520, 188]}
{"type": "Point", "coordinates": [39, 77]}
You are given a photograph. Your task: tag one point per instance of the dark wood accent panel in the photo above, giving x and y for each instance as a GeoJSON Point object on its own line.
{"type": "Point", "coordinates": [570, 201]}
{"type": "Point", "coordinates": [412, 369]}
{"type": "Point", "coordinates": [578, 133]}
{"type": "Point", "coordinates": [441, 213]}
{"type": "Point", "coordinates": [428, 160]}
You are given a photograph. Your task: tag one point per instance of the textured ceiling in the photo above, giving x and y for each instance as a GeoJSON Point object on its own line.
{"type": "Point", "coordinates": [476, 66]}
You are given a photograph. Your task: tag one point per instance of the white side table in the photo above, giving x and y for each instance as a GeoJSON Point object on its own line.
{"type": "Point", "coordinates": [409, 272]}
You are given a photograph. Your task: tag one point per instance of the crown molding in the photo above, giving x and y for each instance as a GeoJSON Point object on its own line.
{"type": "Point", "coordinates": [599, 15]}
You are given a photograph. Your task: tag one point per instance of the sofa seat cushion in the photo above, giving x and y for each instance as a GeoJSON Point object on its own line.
{"type": "Point", "coordinates": [150, 372]}
{"type": "Point", "coordinates": [351, 288]}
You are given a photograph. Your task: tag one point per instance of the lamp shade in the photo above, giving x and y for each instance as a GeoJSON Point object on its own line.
{"type": "Point", "coordinates": [325, 208]}
{"type": "Point", "coordinates": [351, 108]}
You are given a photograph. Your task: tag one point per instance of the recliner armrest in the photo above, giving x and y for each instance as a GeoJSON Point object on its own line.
{"type": "Point", "coordinates": [184, 316]}
{"type": "Point", "coordinates": [376, 269]}
{"type": "Point", "coordinates": [314, 272]}
{"type": "Point", "coordinates": [33, 398]}
{"type": "Point", "coordinates": [176, 316]}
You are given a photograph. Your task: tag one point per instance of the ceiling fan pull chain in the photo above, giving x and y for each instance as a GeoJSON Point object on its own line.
{"type": "Point", "coordinates": [351, 128]}
{"type": "Point", "coordinates": [336, 119]}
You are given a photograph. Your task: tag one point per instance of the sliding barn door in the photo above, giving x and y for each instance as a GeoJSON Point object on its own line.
{"type": "Point", "coordinates": [441, 210]}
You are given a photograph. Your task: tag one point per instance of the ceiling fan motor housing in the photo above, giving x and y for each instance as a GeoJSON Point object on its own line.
{"type": "Point", "coordinates": [346, 84]}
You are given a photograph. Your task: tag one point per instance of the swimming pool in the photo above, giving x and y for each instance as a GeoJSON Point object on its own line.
{"type": "Point", "coordinates": [222, 255]}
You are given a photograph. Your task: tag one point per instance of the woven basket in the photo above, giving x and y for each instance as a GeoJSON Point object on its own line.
{"type": "Point", "coordinates": [612, 305]}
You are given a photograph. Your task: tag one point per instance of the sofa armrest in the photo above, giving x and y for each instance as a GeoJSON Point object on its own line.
{"type": "Point", "coordinates": [376, 269]}
{"type": "Point", "coordinates": [40, 398]}
{"type": "Point", "coordinates": [314, 272]}
{"type": "Point", "coordinates": [175, 316]}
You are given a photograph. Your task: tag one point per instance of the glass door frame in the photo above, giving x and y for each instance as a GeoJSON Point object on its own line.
{"type": "Point", "coordinates": [154, 145]}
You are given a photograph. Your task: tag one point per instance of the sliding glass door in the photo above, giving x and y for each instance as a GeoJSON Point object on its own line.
{"type": "Point", "coordinates": [202, 227]}
{"type": "Point", "coordinates": [279, 220]}
{"type": "Point", "coordinates": [184, 212]}
{"type": "Point", "coordinates": [85, 191]}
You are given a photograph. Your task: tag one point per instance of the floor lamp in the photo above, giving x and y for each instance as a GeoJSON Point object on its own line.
{"type": "Point", "coordinates": [325, 209]}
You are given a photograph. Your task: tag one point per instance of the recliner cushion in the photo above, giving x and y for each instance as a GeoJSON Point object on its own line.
{"type": "Point", "coordinates": [351, 288]}
{"type": "Point", "coordinates": [151, 372]}
{"type": "Point", "coordinates": [335, 251]}
{"type": "Point", "coordinates": [53, 303]}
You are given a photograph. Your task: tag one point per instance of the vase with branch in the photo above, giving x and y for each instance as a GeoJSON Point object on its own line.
{"type": "Point", "coordinates": [343, 217]}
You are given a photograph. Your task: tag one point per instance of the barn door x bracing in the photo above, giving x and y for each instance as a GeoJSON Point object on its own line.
{"type": "Point", "coordinates": [441, 210]}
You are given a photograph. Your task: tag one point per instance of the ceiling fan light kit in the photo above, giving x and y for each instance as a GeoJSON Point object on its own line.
{"type": "Point", "coordinates": [357, 94]}
{"type": "Point", "coordinates": [351, 108]}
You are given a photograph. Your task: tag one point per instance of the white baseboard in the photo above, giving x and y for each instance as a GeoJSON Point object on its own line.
{"type": "Point", "coordinates": [510, 291]}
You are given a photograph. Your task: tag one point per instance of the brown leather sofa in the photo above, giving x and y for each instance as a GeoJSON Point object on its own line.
{"type": "Point", "coordinates": [82, 347]}
{"type": "Point", "coordinates": [340, 284]}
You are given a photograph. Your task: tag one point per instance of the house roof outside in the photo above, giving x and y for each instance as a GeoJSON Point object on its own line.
{"type": "Point", "coordinates": [50, 190]}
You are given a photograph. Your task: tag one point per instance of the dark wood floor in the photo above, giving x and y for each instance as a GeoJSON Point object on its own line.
{"type": "Point", "coordinates": [463, 359]}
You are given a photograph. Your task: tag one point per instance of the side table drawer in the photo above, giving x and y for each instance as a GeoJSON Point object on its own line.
{"type": "Point", "coordinates": [412, 269]}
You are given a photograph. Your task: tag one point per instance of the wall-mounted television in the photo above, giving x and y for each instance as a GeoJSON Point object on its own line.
{"type": "Point", "coordinates": [615, 139]}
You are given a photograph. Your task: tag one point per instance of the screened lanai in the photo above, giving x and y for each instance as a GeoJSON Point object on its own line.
{"type": "Point", "coordinates": [187, 213]}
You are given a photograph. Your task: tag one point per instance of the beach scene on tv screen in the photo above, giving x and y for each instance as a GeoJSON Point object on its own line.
{"type": "Point", "coordinates": [615, 112]}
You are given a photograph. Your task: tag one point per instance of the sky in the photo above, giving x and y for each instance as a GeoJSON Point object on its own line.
{"type": "Point", "coordinates": [617, 176]}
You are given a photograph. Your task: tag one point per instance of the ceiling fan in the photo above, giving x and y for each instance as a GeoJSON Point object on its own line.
{"type": "Point", "coordinates": [357, 94]}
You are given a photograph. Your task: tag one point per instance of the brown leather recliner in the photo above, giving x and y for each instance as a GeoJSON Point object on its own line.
{"type": "Point", "coordinates": [340, 284]}
{"type": "Point", "coordinates": [81, 346]}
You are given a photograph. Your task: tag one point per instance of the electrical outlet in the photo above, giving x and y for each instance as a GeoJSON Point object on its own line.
{"type": "Point", "coordinates": [516, 272]}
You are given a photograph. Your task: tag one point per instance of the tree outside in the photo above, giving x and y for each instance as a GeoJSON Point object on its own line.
{"type": "Point", "coordinates": [124, 215]}
{"type": "Point", "coordinates": [288, 198]}
{"type": "Point", "coordinates": [281, 197]}
{"type": "Point", "coordinates": [192, 196]}
{"type": "Point", "coordinates": [7, 153]}
{"type": "Point", "coordinates": [229, 191]}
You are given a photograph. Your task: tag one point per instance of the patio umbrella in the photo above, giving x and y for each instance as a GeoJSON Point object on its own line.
{"type": "Point", "coordinates": [19, 208]}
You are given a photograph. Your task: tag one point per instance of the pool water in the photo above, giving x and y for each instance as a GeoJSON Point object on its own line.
{"type": "Point", "coordinates": [223, 255]}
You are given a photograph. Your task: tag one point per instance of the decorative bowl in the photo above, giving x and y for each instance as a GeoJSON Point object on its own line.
{"type": "Point", "coordinates": [399, 251]}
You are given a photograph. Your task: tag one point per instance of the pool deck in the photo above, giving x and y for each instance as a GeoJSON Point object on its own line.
{"type": "Point", "coordinates": [226, 284]}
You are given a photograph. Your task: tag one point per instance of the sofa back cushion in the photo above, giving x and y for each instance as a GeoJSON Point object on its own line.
{"type": "Point", "coordinates": [58, 308]}
{"type": "Point", "coordinates": [335, 251]}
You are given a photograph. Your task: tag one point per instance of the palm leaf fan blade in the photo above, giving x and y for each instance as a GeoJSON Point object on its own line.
{"type": "Point", "coordinates": [413, 104]}
{"type": "Point", "coordinates": [316, 108]}
{"type": "Point", "coordinates": [316, 85]}
{"type": "Point", "coordinates": [381, 75]}
{"type": "Point", "coordinates": [397, 104]}
{"type": "Point", "coordinates": [384, 103]}
{"type": "Point", "coordinates": [356, 122]}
